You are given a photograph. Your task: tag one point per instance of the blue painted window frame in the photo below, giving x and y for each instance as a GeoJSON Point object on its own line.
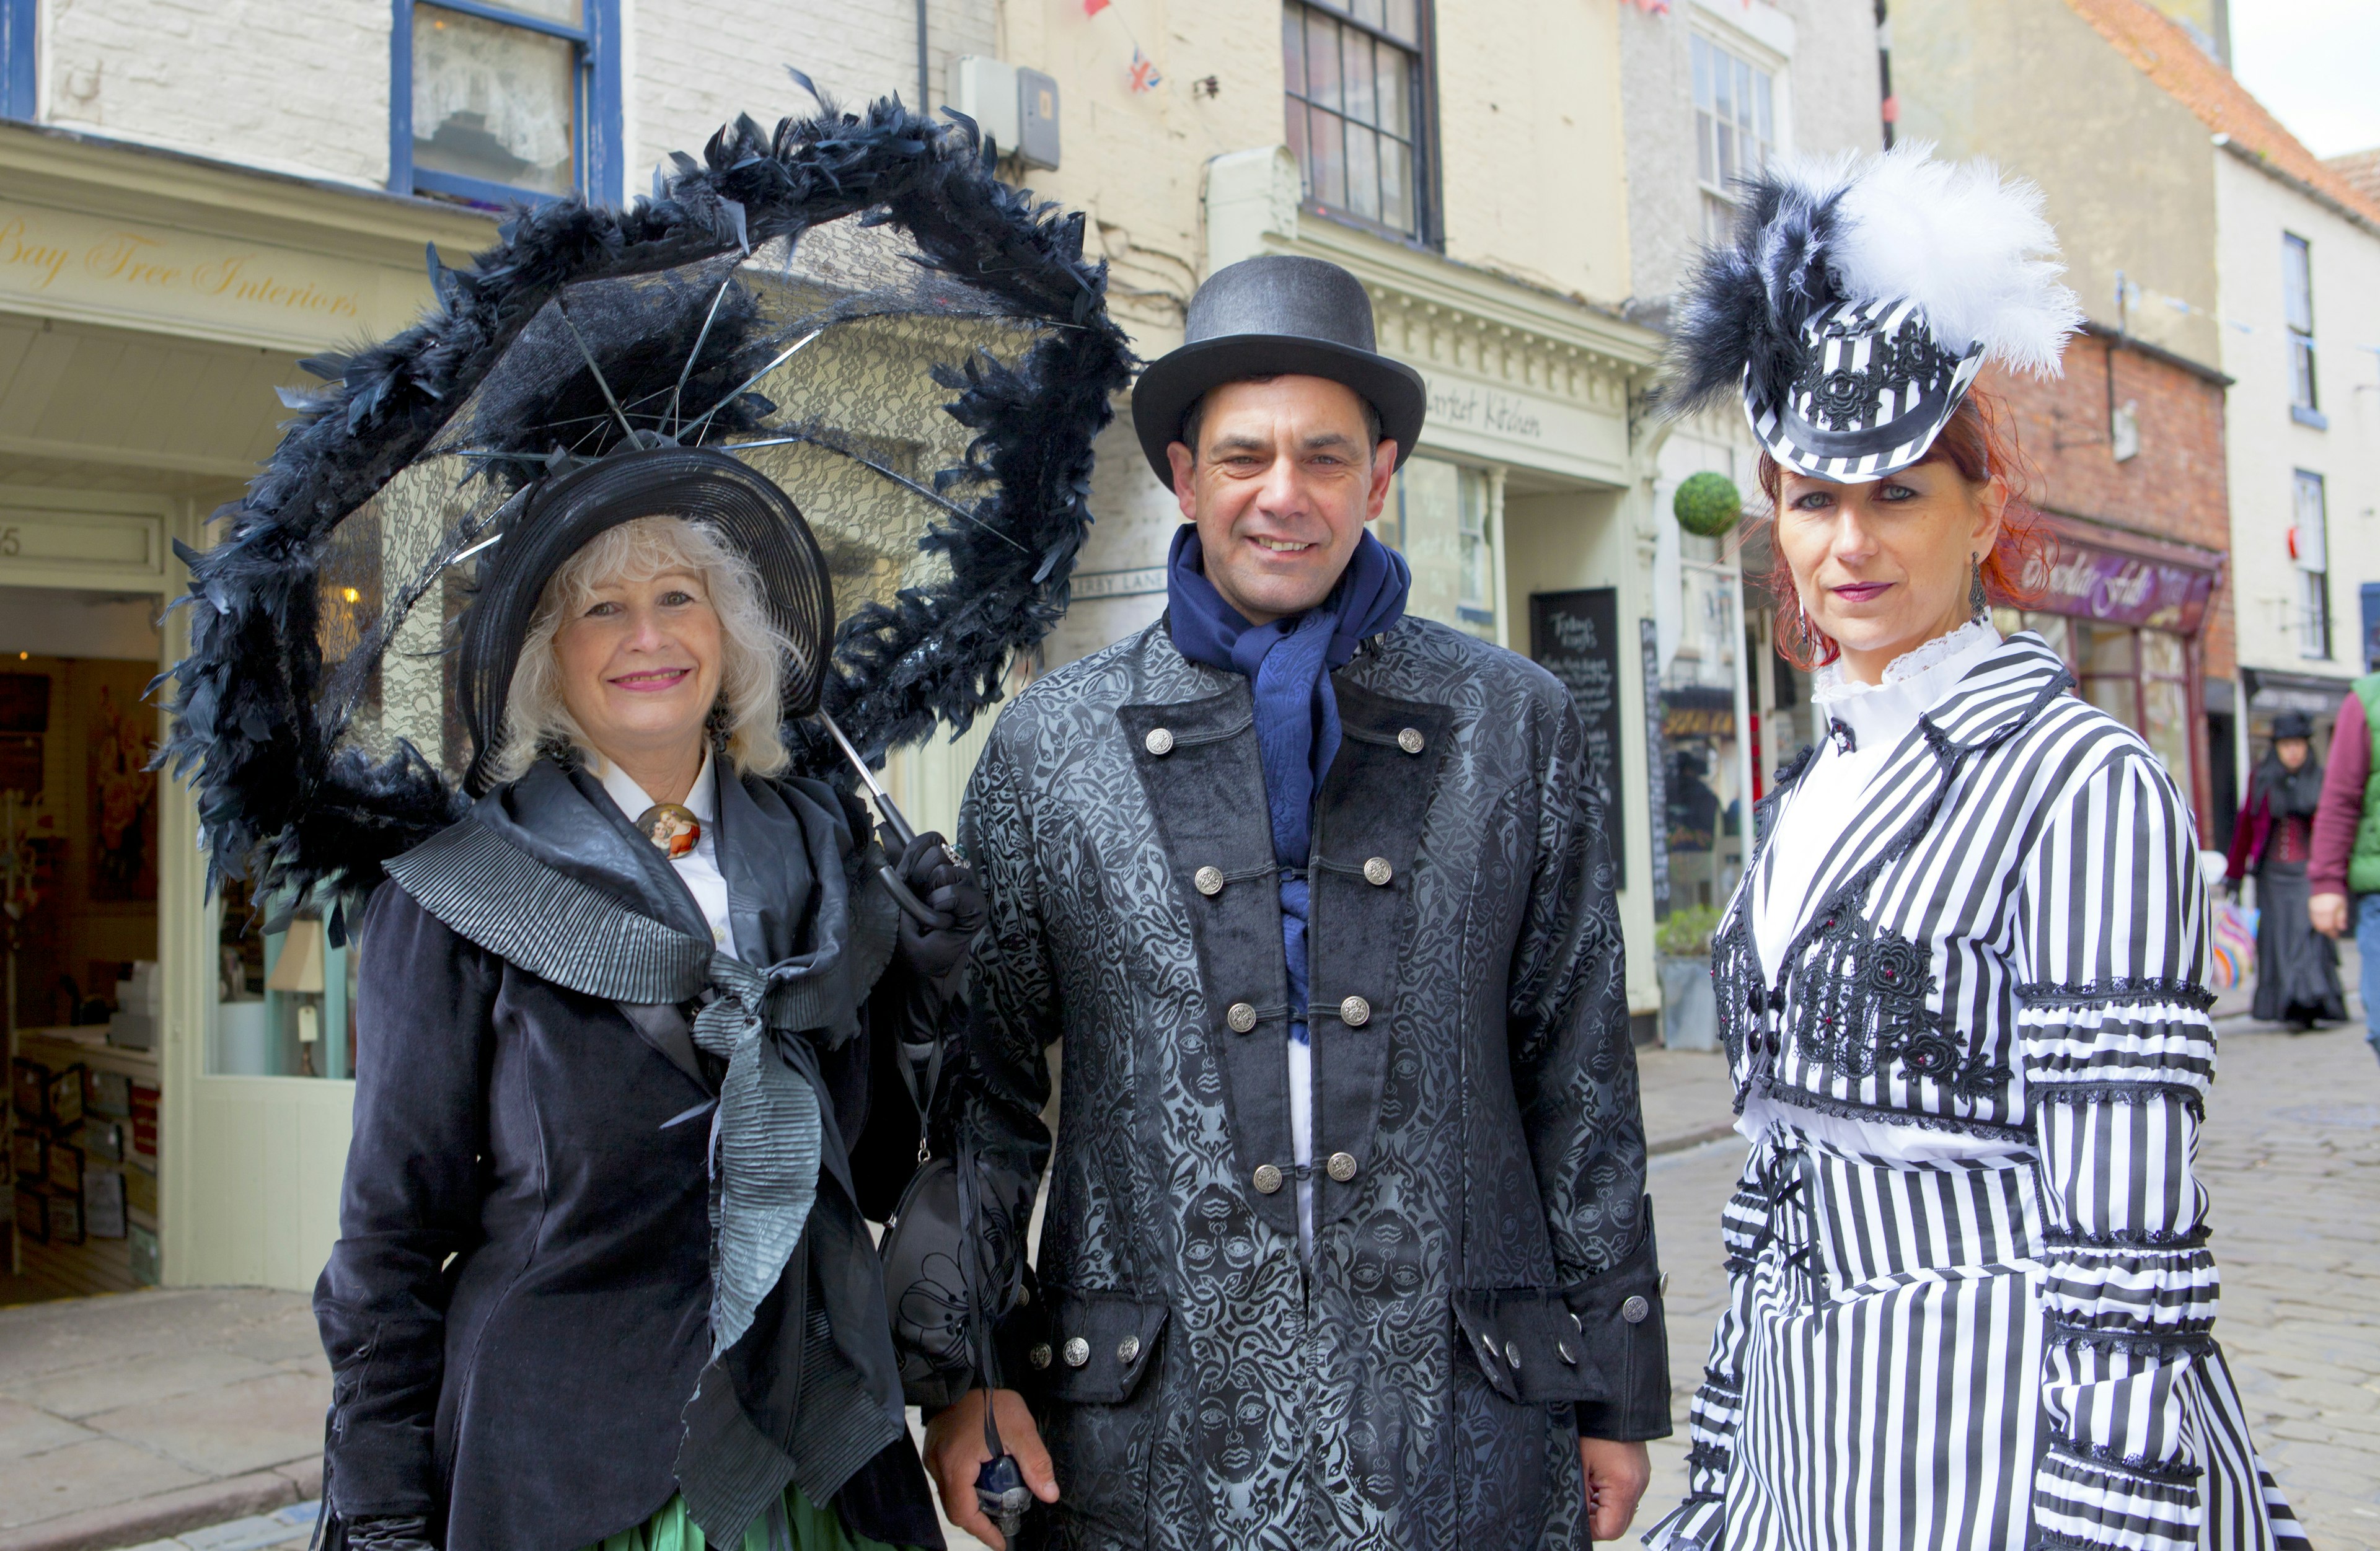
{"type": "Point", "coordinates": [19, 85]}
{"type": "Point", "coordinates": [599, 99]}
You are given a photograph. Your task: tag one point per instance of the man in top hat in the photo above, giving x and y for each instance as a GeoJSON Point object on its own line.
{"type": "Point", "coordinates": [1346, 1242]}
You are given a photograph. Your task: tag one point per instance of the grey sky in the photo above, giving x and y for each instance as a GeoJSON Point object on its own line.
{"type": "Point", "coordinates": [2316, 64]}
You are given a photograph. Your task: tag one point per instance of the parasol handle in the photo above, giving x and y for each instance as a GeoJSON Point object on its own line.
{"type": "Point", "coordinates": [911, 906]}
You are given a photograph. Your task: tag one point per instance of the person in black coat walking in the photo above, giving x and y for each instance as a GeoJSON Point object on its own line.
{"type": "Point", "coordinates": [2297, 969]}
{"type": "Point", "coordinates": [604, 1275]}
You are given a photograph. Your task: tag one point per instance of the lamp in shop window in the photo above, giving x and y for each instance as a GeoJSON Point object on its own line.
{"type": "Point", "coordinates": [298, 972]}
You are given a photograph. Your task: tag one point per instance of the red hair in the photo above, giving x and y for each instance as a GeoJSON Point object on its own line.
{"type": "Point", "coordinates": [1980, 442]}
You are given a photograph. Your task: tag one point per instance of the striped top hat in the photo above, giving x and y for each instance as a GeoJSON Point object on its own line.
{"type": "Point", "coordinates": [1859, 297]}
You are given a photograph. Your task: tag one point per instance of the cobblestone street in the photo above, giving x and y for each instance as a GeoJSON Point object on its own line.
{"type": "Point", "coordinates": [2292, 1157]}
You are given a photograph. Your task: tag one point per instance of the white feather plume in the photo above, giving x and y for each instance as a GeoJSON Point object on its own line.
{"type": "Point", "coordinates": [1965, 243]}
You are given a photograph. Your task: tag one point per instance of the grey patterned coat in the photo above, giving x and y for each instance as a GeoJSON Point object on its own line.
{"type": "Point", "coordinates": [1481, 1237]}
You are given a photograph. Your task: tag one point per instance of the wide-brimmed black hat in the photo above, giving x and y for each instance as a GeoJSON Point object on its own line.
{"type": "Point", "coordinates": [750, 514]}
{"type": "Point", "coordinates": [1275, 316]}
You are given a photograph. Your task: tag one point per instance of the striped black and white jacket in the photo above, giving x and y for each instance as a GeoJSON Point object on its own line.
{"type": "Point", "coordinates": [1990, 1049]}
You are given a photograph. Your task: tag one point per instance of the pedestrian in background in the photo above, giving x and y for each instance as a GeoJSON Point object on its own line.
{"type": "Point", "coordinates": [1963, 984]}
{"type": "Point", "coordinates": [2345, 860]}
{"type": "Point", "coordinates": [2297, 968]}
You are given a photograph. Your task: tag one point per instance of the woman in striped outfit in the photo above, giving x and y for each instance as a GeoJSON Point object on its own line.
{"type": "Point", "coordinates": [1963, 984]}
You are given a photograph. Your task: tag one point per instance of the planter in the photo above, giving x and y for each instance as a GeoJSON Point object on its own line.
{"type": "Point", "coordinates": [1689, 1009]}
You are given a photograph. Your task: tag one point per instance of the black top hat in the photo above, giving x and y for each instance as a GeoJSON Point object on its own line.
{"type": "Point", "coordinates": [749, 511]}
{"type": "Point", "coordinates": [1267, 317]}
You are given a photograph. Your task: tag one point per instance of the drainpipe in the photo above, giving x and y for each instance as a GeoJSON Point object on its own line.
{"type": "Point", "coordinates": [924, 109]}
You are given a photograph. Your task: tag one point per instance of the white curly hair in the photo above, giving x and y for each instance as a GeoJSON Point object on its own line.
{"type": "Point", "coordinates": [753, 652]}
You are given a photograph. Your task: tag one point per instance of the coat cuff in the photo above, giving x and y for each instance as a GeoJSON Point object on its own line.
{"type": "Point", "coordinates": [2082, 1500]}
{"type": "Point", "coordinates": [1620, 1317]}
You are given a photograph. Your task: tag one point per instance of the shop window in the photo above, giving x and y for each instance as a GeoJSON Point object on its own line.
{"type": "Point", "coordinates": [1735, 130]}
{"type": "Point", "coordinates": [19, 25]}
{"type": "Point", "coordinates": [1354, 108]}
{"type": "Point", "coordinates": [2140, 677]}
{"type": "Point", "coordinates": [2310, 552]}
{"type": "Point", "coordinates": [497, 103]}
{"type": "Point", "coordinates": [1441, 517]}
{"type": "Point", "coordinates": [2297, 305]}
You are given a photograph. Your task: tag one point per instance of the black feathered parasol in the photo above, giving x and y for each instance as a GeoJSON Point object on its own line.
{"type": "Point", "coordinates": [853, 306]}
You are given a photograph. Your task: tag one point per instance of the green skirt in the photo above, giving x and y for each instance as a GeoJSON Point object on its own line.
{"type": "Point", "coordinates": [812, 1529]}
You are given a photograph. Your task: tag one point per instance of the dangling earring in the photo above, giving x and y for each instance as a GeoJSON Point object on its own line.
{"type": "Point", "coordinates": [715, 726]}
{"type": "Point", "coordinates": [1978, 604]}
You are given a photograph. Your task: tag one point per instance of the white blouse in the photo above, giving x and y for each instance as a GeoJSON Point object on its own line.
{"type": "Point", "coordinates": [1817, 811]}
{"type": "Point", "coordinates": [699, 868]}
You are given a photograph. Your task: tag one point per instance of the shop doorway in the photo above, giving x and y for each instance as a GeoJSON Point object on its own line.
{"type": "Point", "coordinates": [79, 816]}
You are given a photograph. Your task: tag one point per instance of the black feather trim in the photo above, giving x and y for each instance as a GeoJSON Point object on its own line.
{"type": "Point", "coordinates": [1738, 325]}
{"type": "Point", "coordinates": [283, 803]}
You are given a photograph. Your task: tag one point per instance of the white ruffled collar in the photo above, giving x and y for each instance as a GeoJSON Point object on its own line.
{"type": "Point", "coordinates": [1917, 680]}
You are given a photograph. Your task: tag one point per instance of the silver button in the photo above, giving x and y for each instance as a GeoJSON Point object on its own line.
{"type": "Point", "coordinates": [1159, 742]}
{"type": "Point", "coordinates": [1635, 1309]}
{"type": "Point", "coordinates": [1663, 1289]}
{"type": "Point", "coordinates": [1410, 740]}
{"type": "Point", "coordinates": [1268, 1179]}
{"type": "Point", "coordinates": [1575, 1324]}
{"type": "Point", "coordinates": [1210, 881]}
{"type": "Point", "coordinates": [1355, 1013]}
{"type": "Point", "coordinates": [1128, 1351]}
{"type": "Point", "coordinates": [1488, 1345]}
{"type": "Point", "coordinates": [1512, 1355]}
{"type": "Point", "coordinates": [1241, 1016]}
{"type": "Point", "coordinates": [1567, 1354]}
{"type": "Point", "coordinates": [1079, 1352]}
{"type": "Point", "coordinates": [1377, 872]}
{"type": "Point", "coordinates": [1342, 1167]}
{"type": "Point", "coordinates": [1040, 1354]}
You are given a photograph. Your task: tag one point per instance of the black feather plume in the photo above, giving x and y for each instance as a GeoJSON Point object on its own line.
{"type": "Point", "coordinates": [283, 802]}
{"type": "Point", "coordinates": [1739, 320]}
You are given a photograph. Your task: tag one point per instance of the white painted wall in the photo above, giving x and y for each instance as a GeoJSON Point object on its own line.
{"type": "Point", "coordinates": [2262, 445]}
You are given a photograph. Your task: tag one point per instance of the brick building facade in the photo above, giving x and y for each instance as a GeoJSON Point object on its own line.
{"type": "Point", "coordinates": [2125, 460]}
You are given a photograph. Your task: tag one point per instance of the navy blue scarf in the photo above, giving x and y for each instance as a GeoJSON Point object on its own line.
{"type": "Point", "coordinates": [1288, 662]}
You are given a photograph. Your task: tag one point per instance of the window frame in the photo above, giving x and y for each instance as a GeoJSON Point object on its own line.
{"type": "Point", "coordinates": [2313, 608]}
{"type": "Point", "coordinates": [1758, 59]}
{"type": "Point", "coordinates": [2296, 287]}
{"type": "Point", "coordinates": [596, 101]}
{"type": "Point", "coordinates": [20, 79]}
{"type": "Point", "coordinates": [1428, 232]}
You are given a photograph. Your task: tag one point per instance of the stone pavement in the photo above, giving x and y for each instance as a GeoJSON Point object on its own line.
{"type": "Point", "coordinates": [192, 1419]}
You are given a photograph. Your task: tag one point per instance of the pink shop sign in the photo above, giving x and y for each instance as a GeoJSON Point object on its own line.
{"type": "Point", "coordinates": [2120, 589]}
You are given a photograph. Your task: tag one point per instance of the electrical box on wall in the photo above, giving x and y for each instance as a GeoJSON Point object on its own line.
{"type": "Point", "coordinates": [1016, 108]}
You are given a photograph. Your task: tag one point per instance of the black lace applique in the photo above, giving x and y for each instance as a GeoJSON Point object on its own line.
{"type": "Point", "coordinates": [1923, 1119]}
{"type": "Point", "coordinates": [2192, 1339]}
{"type": "Point", "coordinates": [2145, 1239]}
{"type": "Point", "coordinates": [1707, 1457]}
{"type": "Point", "coordinates": [1845, 398]}
{"type": "Point", "coordinates": [2048, 1090]}
{"type": "Point", "coordinates": [1860, 1007]}
{"type": "Point", "coordinates": [2101, 1457]}
{"type": "Point", "coordinates": [2118, 992]}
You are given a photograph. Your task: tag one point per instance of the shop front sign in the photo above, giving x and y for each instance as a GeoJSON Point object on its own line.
{"type": "Point", "coordinates": [2092, 583]}
{"type": "Point", "coordinates": [66, 263]}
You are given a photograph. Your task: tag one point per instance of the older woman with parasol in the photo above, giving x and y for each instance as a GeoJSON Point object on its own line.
{"type": "Point", "coordinates": [529, 637]}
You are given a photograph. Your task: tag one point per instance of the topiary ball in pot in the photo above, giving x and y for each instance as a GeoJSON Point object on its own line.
{"type": "Point", "coordinates": [1707, 504]}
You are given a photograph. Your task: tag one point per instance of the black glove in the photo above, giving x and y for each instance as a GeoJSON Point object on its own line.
{"type": "Point", "coordinates": [388, 1534]}
{"type": "Point", "coordinates": [947, 886]}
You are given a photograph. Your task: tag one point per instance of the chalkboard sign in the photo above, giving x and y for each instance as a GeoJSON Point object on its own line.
{"type": "Point", "coordinates": [1575, 636]}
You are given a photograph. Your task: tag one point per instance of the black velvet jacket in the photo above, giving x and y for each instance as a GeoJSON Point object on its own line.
{"type": "Point", "coordinates": [1483, 1283]}
{"type": "Point", "coordinates": [517, 1311]}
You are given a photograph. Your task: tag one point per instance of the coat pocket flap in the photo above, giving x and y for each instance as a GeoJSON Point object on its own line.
{"type": "Point", "coordinates": [1100, 1344]}
{"type": "Point", "coordinates": [1528, 1345]}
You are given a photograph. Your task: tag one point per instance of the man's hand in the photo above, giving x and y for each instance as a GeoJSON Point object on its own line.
{"type": "Point", "coordinates": [954, 1452]}
{"type": "Point", "coordinates": [2328, 914]}
{"type": "Point", "coordinates": [1616, 1474]}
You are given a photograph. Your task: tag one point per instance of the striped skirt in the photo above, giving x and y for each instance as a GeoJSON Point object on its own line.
{"type": "Point", "coordinates": [1887, 1345]}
